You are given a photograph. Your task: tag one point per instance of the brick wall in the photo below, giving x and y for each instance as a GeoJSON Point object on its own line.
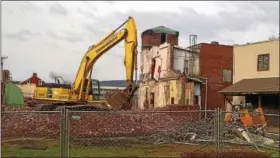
{"type": "Point", "coordinates": [213, 59]}
{"type": "Point", "coordinates": [172, 39]}
{"type": "Point", "coordinates": [154, 39]}
{"type": "Point", "coordinates": [151, 40]}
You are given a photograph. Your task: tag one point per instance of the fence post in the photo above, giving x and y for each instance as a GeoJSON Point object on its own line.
{"type": "Point", "coordinates": [64, 147]}
{"type": "Point", "coordinates": [217, 131]}
{"type": "Point", "coordinates": [218, 114]}
{"type": "Point", "coordinates": [67, 132]}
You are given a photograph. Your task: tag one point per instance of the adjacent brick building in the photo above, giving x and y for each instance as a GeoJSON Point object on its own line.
{"type": "Point", "coordinates": [216, 64]}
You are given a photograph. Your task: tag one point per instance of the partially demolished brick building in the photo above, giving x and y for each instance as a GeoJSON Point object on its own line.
{"type": "Point", "coordinates": [164, 70]}
{"type": "Point", "coordinates": [170, 74]}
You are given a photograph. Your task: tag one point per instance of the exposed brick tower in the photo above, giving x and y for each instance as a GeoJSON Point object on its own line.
{"type": "Point", "coordinates": [159, 35]}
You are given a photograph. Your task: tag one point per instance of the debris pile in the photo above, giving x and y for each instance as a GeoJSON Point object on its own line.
{"type": "Point", "coordinates": [124, 124]}
{"type": "Point", "coordinates": [158, 127]}
{"type": "Point", "coordinates": [37, 124]}
{"type": "Point", "coordinates": [22, 124]}
{"type": "Point", "coordinates": [189, 133]}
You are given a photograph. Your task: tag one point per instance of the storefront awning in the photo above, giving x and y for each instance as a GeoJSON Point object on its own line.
{"type": "Point", "coordinates": [253, 86]}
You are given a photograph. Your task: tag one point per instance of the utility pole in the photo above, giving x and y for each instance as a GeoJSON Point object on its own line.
{"type": "Point", "coordinates": [2, 63]}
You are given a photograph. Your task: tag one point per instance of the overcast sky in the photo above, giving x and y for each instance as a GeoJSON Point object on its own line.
{"type": "Point", "coordinates": [47, 37]}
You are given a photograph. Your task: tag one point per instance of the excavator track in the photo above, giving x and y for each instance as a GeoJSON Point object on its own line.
{"type": "Point", "coordinates": [73, 107]}
{"type": "Point", "coordinates": [83, 107]}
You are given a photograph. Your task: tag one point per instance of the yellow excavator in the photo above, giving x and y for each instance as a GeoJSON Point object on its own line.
{"type": "Point", "coordinates": [80, 96]}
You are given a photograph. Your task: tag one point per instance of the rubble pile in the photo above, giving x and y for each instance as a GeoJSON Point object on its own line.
{"type": "Point", "coordinates": [121, 124]}
{"type": "Point", "coordinates": [90, 124]}
{"type": "Point", "coordinates": [30, 124]}
{"type": "Point", "coordinates": [178, 108]}
{"type": "Point", "coordinates": [161, 126]}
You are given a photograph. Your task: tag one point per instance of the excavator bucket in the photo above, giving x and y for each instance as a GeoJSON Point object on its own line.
{"type": "Point", "coordinates": [118, 100]}
{"type": "Point", "coordinates": [121, 99]}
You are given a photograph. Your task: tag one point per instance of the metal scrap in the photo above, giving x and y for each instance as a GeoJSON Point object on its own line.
{"type": "Point", "coordinates": [201, 131]}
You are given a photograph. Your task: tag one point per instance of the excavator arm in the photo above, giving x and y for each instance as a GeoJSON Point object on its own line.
{"type": "Point", "coordinates": [129, 35]}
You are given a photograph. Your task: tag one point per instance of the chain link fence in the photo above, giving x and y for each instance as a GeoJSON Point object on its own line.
{"type": "Point", "coordinates": [132, 134]}
{"type": "Point", "coordinates": [30, 133]}
{"type": "Point", "coordinates": [149, 133]}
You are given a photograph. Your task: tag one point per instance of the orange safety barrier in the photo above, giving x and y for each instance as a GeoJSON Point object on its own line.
{"type": "Point", "coordinates": [259, 118]}
{"type": "Point", "coordinates": [246, 118]}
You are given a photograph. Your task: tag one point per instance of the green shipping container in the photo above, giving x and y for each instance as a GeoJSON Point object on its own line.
{"type": "Point", "coordinates": [13, 95]}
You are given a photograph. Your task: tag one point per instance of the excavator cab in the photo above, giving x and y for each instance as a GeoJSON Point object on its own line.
{"type": "Point", "coordinates": [94, 88]}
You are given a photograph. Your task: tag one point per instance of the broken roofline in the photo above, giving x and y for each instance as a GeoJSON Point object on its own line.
{"type": "Point", "coordinates": [184, 49]}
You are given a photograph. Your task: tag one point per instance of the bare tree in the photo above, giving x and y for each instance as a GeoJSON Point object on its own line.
{"type": "Point", "coordinates": [272, 37]}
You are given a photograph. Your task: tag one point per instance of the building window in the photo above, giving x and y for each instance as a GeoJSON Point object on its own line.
{"type": "Point", "coordinates": [172, 101]}
{"type": "Point", "coordinates": [263, 62]}
{"type": "Point", "coordinates": [227, 75]}
{"type": "Point", "coordinates": [152, 99]}
{"type": "Point", "coordinates": [163, 38]}
{"type": "Point", "coordinates": [196, 100]}
{"type": "Point", "coordinates": [186, 67]}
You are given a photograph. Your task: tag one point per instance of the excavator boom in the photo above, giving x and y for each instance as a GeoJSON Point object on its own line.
{"type": "Point", "coordinates": [129, 35]}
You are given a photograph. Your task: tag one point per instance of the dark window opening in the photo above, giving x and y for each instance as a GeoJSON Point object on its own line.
{"type": "Point", "coordinates": [152, 100]}
{"type": "Point", "coordinates": [196, 100]}
{"type": "Point", "coordinates": [163, 38]}
{"type": "Point", "coordinates": [263, 62]}
{"type": "Point", "coordinates": [153, 68]}
{"type": "Point", "coordinates": [172, 100]}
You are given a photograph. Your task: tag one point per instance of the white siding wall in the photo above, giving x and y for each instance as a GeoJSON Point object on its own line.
{"type": "Point", "coordinates": [180, 55]}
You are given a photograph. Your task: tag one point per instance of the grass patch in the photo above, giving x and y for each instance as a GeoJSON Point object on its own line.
{"type": "Point", "coordinates": [276, 154]}
{"type": "Point", "coordinates": [51, 148]}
